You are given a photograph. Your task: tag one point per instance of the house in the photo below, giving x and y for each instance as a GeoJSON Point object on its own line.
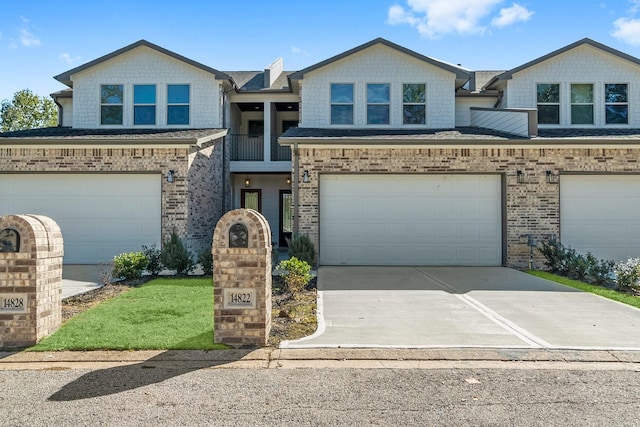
{"type": "Point", "coordinates": [381, 155]}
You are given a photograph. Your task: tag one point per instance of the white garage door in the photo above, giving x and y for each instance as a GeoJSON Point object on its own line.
{"type": "Point", "coordinates": [100, 215]}
{"type": "Point", "coordinates": [601, 214]}
{"type": "Point", "coordinates": [410, 220]}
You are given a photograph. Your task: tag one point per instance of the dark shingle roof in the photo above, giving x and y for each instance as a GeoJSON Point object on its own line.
{"type": "Point", "coordinates": [252, 81]}
{"type": "Point", "coordinates": [606, 133]}
{"type": "Point", "coordinates": [461, 133]}
{"type": "Point", "coordinates": [78, 136]}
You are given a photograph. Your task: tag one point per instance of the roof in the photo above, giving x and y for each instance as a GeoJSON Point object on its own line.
{"type": "Point", "coordinates": [586, 41]}
{"type": "Point", "coordinates": [65, 77]}
{"type": "Point", "coordinates": [458, 71]}
{"type": "Point", "coordinates": [460, 133]}
{"type": "Point", "coordinates": [253, 81]}
{"type": "Point", "coordinates": [73, 136]}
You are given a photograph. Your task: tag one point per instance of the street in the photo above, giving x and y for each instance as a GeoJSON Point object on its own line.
{"type": "Point", "coordinates": [147, 394]}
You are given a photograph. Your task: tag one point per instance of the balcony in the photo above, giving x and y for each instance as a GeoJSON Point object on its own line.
{"type": "Point", "coordinates": [251, 148]}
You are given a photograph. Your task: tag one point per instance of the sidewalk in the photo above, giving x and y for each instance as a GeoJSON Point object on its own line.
{"type": "Point", "coordinates": [269, 358]}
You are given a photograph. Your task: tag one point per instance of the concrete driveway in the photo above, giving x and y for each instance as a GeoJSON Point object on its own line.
{"type": "Point", "coordinates": [423, 307]}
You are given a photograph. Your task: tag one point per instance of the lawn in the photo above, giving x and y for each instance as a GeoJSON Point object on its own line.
{"type": "Point", "coordinates": [597, 290]}
{"type": "Point", "coordinates": [163, 314]}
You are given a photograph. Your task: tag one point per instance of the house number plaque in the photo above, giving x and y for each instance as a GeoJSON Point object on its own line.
{"type": "Point", "coordinates": [239, 298]}
{"type": "Point", "coordinates": [13, 303]}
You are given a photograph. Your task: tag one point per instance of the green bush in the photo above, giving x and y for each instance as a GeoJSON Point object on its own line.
{"type": "Point", "coordinates": [175, 255]}
{"type": "Point", "coordinates": [568, 262]}
{"type": "Point", "coordinates": [205, 258]}
{"type": "Point", "coordinates": [296, 274]}
{"type": "Point", "coordinates": [302, 248]}
{"type": "Point", "coordinates": [129, 265]}
{"type": "Point", "coordinates": [154, 258]}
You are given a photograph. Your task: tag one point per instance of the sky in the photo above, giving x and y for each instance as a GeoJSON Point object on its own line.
{"type": "Point", "coordinates": [40, 39]}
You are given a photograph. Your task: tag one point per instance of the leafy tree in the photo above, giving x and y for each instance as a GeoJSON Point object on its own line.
{"type": "Point", "coordinates": [27, 111]}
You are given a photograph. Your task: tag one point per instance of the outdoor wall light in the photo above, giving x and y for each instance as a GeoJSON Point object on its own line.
{"type": "Point", "coordinates": [520, 177]}
{"type": "Point", "coordinates": [551, 178]}
{"type": "Point", "coordinates": [171, 175]}
{"type": "Point", "coordinates": [305, 177]}
{"type": "Point", "coordinates": [289, 180]}
{"type": "Point", "coordinates": [247, 182]}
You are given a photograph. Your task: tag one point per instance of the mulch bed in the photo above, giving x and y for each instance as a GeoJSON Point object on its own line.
{"type": "Point", "coordinates": [291, 318]}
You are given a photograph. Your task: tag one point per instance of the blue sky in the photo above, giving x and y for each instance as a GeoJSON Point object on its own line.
{"type": "Point", "coordinates": [40, 39]}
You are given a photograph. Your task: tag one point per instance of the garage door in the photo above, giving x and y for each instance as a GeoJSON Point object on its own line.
{"type": "Point", "coordinates": [100, 215]}
{"type": "Point", "coordinates": [410, 220]}
{"type": "Point", "coordinates": [601, 214]}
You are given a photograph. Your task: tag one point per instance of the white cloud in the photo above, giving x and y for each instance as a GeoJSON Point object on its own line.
{"type": "Point", "coordinates": [627, 30]}
{"type": "Point", "coordinates": [68, 58]}
{"type": "Point", "coordinates": [299, 51]}
{"type": "Point", "coordinates": [511, 15]}
{"type": "Point", "coordinates": [27, 39]}
{"type": "Point", "coordinates": [433, 18]}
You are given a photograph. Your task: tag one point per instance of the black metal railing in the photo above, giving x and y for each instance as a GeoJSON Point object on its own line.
{"type": "Point", "coordinates": [247, 147]}
{"type": "Point", "coordinates": [279, 153]}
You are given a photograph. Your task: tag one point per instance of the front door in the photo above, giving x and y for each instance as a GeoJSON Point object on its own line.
{"type": "Point", "coordinates": [286, 217]}
{"type": "Point", "coordinates": [251, 199]}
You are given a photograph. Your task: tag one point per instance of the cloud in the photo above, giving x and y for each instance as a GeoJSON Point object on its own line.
{"type": "Point", "coordinates": [68, 58]}
{"type": "Point", "coordinates": [511, 15]}
{"type": "Point", "coordinates": [26, 38]}
{"type": "Point", "coordinates": [627, 30]}
{"type": "Point", "coordinates": [299, 51]}
{"type": "Point", "coordinates": [434, 18]}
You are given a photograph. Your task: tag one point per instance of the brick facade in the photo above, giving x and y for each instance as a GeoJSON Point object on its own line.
{"type": "Point", "coordinates": [532, 207]}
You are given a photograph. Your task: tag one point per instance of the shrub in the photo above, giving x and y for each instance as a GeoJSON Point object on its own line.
{"type": "Point", "coordinates": [600, 271]}
{"type": "Point", "coordinates": [175, 255]}
{"type": "Point", "coordinates": [205, 258]}
{"type": "Point", "coordinates": [302, 248]}
{"type": "Point", "coordinates": [569, 263]}
{"type": "Point", "coordinates": [129, 265]}
{"type": "Point", "coordinates": [154, 258]}
{"type": "Point", "coordinates": [296, 274]}
{"type": "Point", "coordinates": [628, 273]}
{"type": "Point", "coordinates": [554, 254]}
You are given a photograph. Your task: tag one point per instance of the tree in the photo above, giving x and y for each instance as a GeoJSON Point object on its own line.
{"type": "Point", "coordinates": [27, 111]}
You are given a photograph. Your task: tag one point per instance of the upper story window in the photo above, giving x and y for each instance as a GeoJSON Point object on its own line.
{"type": "Point", "coordinates": [378, 96]}
{"type": "Point", "coordinates": [341, 103]}
{"type": "Point", "coordinates": [144, 104]}
{"type": "Point", "coordinates": [582, 104]}
{"type": "Point", "coordinates": [414, 107]}
{"type": "Point", "coordinates": [111, 100]}
{"type": "Point", "coordinates": [616, 104]}
{"type": "Point", "coordinates": [548, 103]}
{"type": "Point", "coordinates": [178, 99]}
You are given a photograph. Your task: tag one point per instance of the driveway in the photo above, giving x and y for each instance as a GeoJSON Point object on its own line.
{"type": "Point", "coordinates": [423, 307]}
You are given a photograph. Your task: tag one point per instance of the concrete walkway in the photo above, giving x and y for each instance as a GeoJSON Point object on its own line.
{"type": "Point", "coordinates": [77, 279]}
{"type": "Point", "coordinates": [457, 307]}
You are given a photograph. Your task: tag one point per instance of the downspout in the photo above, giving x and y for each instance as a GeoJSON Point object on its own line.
{"type": "Point", "coordinates": [224, 152]}
{"type": "Point", "coordinates": [60, 111]}
{"type": "Point", "coordinates": [296, 191]}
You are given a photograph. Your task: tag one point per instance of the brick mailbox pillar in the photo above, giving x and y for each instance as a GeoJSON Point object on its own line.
{"type": "Point", "coordinates": [31, 251]}
{"type": "Point", "coordinates": [242, 279]}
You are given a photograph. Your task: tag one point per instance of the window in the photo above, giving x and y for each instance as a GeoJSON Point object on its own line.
{"type": "Point", "coordinates": [616, 104]}
{"type": "Point", "coordinates": [548, 102]}
{"type": "Point", "coordinates": [111, 97]}
{"type": "Point", "coordinates": [144, 104]}
{"type": "Point", "coordinates": [341, 104]}
{"type": "Point", "coordinates": [414, 108]}
{"type": "Point", "coordinates": [378, 104]}
{"type": "Point", "coordinates": [178, 104]}
{"type": "Point", "coordinates": [581, 104]}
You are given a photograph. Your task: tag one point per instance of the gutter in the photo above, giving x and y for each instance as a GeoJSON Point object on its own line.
{"type": "Point", "coordinates": [296, 191]}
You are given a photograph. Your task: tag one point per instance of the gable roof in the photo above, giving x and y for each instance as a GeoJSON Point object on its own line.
{"type": "Point", "coordinates": [586, 41]}
{"type": "Point", "coordinates": [458, 71]}
{"type": "Point", "coordinates": [65, 78]}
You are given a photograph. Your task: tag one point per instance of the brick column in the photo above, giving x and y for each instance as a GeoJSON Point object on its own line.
{"type": "Point", "coordinates": [242, 279]}
{"type": "Point", "coordinates": [31, 250]}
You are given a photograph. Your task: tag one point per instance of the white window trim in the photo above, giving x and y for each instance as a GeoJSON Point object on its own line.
{"type": "Point", "coordinates": [592, 103]}
{"type": "Point", "coordinates": [367, 103]}
{"type": "Point", "coordinates": [133, 110]}
{"type": "Point", "coordinates": [353, 105]}
{"type": "Point", "coordinates": [170, 104]}
{"type": "Point", "coordinates": [122, 104]}
{"type": "Point", "coordinates": [605, 103]}
{"type": "Point", "coordinates": [402, 104]}
{"type": "Point", "coordinates": [559, 103]}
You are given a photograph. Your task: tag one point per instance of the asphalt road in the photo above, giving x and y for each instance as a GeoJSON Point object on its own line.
{"type": "Point", "coordinates": [147, 395]}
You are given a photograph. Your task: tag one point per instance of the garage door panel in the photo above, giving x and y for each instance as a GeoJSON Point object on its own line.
{"type": "Point", "coordinates": [421, 219]}
{"type": "Point", "coordinates": [100, 215]}
{"type": "Point", "coordinates": [599, 214]}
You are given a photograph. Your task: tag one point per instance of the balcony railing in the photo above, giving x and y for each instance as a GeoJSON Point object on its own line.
{"type": "Point", "coordinates": [251, 148]}
{"type": "Point", "coordinates": [278, 152]}
{"type": "Point", "coordinates": [247, 147]}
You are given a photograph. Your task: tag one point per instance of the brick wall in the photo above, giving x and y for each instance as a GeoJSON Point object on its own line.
{"type": "Point", "coordinates": [532, 207]}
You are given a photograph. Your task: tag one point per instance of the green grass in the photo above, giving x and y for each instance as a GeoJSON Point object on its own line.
{"type": "Point", "coordinates": [164, 314]}
{"type": "Point", "coordinates": [597, 290]}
